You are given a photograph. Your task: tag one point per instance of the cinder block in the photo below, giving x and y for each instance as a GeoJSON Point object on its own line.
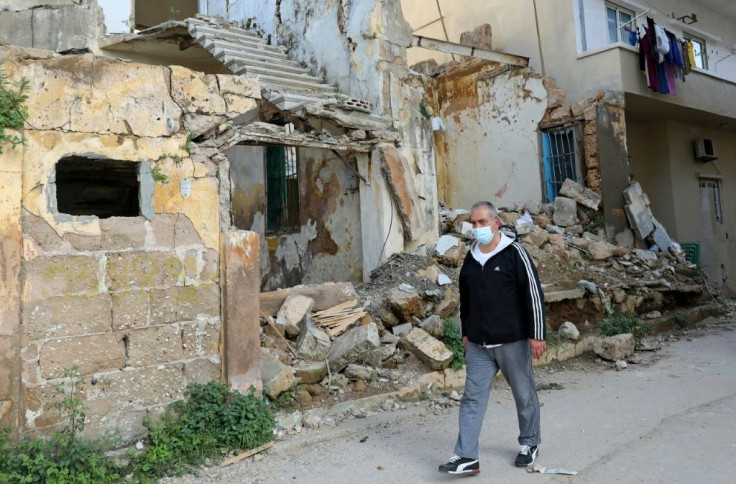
{"type": "Point", "coordinates": [203, 300]}
{"type": "Point", "coordinates": [150, 346]}
{"type": "Point", "coordinates": [138, 388]}
{"type": "Point", "coordinates": [66, 316]}
{"type": "Point", "coordinates": [201, 339]}
{"type": "Point", "coordinates": [203, 370]}
{"type": "Point", "coordinates": [129, 309]}
{"type": "Point", "coordinates": [67, 275]}
{"type": "Point", "coordinates": [143, 270]}
{"type": "Point", "coordinates": [90, 353]}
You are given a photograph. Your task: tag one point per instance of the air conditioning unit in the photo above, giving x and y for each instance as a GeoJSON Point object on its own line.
{"type": "Point", "coordinates": [704, 150]}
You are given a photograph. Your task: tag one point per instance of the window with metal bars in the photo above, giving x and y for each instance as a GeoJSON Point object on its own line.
{"type": "Point", "coordinates": [561, 159]}
{"type": "Point", "coordinates": [282, 188]}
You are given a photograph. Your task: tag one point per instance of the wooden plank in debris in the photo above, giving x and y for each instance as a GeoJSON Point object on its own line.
{"type": "Point", "coordinates": [245, 454]}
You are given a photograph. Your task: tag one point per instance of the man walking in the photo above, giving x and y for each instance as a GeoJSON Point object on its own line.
{"type": "Point", "coordinates": [503, 327]}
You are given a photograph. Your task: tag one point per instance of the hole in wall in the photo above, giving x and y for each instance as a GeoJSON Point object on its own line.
{"type": "Point", "coordinates": [105, 188]}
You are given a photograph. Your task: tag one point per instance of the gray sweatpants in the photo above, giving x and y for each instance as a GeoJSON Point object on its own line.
{"type": "Point", "coordinates": [482, 364]}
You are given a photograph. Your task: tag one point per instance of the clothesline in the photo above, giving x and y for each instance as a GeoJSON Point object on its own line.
{"type": "Point", "coordinates": [633, 19]}
{"type": "Point", "coordinates": [663, 57]}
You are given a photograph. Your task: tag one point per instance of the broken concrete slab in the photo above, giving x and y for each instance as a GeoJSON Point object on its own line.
{"type": "Point", "coordinates": [613, 348]}
{"type": "Point", "coordinates": [537, 237]}
{"type": "Point", "coordinates": [428, 350]}
{"type": "Point", "coordinates": [293, 312]}
{"type": "Point", "coordinates": [582, 195]}
{"type": "Point", "coordinates": [449, 303]}
{"type": "Point", "coordinates": [454, 255]}
{"type": "Point", "coordinates": [638, 211]}
{"type": "Point", "coordinates": [353, 345]}
{"type": "Point", "coordinates": [661, 237]}
{"type": "Point", "coordinates": [313, 343]}
{"type": "Point", "coordinates": [566, 213]}
{"type": "Point", "coordinates": [276, 377]}
{"type": "Point", "coordinates": [325, 296]}
{"type": "Point", "coordinates": [381, 354]}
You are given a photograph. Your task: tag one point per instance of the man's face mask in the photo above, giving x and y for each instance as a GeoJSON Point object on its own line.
{"type": "Point", "coordinates": [483, 234]}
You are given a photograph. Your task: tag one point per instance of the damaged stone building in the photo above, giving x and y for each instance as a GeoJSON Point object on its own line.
{"type": "Point", "coordinates": [584, 107]}
{"type": "Point", "coordinates": [174, 165]}
{"type": "Point", "coordinates": [182, 156]}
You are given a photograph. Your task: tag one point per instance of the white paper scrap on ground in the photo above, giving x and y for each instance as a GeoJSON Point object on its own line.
{"type": "Point", "coordinates": [551, 470]}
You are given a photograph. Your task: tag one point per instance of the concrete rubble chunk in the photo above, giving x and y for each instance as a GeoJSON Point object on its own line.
{"type": "Point", "coordinates": [431, 272]}
{"type": "Point", "coordinates": [646, 256]}
{"type": "Point", "coordinates": [293, 312]}
{"type": "Point", "coordinates": [402, 329]}
{"type": "Point", "coordinates": [405, 305]}
{"type": "Point", "coordinates": [590, 287]}
{"type": "Point", "coordinates": [537, 237]}
{"type": "Point", "coordinates": [276, 377]}
{"type": "Point", "coordinates": [313, 343]}
{"type": "Point", "coordinates": [377, 357]}
{"type": "Point", "coordinates": [566, 213]}
{"type": "Point", "coordinates": [554, 229]}
{"type": "Point", "coordinates": [449, 303]}
{"type": "Point", "coordinates": [621, 365]}
{"type": "Point", "coordinates": [613, 348]}
{"type": "Point", "coordinates": [433, 325]}
{"type": "Point", "coordinates": [445, 243]}
{"type": "Point", "coordinates": [428, 350]}
{"type": "Point", "coordinates": [444, 280]}
{"type": "Point", "coordinates": [353, 345]}
{"type": "Point", "coordinates": [568, 330]}
{"type": "Point", "coordinates": [600, 251]}
{"type": "Point", "coordinates": [454, 256]}
{"type": "Point", "coordinates": [325, 296]}
{"type": "Point", "coordinates": [582, 195]}
{"type": "Point", "coordinates": [359, 372]}
{"type": "Point", "coordinates": [310, 371]}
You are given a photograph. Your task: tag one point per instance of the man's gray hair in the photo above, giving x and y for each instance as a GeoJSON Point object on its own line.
{"type": "Point", "coordinates": [491, 208]}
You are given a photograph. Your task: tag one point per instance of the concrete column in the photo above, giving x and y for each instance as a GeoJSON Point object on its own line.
{"type": "Point", "coordinates": [11, 250]}
{"type": "Point", "coordinates": [613, 156]}
{"type": "Point", "coordinates": [241, 288]}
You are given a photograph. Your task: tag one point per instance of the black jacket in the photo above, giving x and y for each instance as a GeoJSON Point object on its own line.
{"type": "Point", "coordinates": [502, 301]}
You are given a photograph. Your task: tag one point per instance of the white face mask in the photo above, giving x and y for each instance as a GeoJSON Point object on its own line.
{"type": "Point", "coordinates": [483, 234]}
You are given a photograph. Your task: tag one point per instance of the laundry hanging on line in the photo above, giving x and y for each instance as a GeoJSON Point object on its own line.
{"type": "Point", "coordinates": [663, 57]}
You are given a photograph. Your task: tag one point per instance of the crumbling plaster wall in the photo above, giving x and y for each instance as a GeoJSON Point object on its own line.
{"type": "Point", "coordinates": [328, 244]}
{"type": "Point", "coordinates": [134, 302]}
{"type": "Point", "coordinates": [491, 149]}
{"type": "Point", "coordinates": [360, 47]}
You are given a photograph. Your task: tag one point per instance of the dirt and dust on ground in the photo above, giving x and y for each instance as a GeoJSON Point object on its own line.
{"type": "Point", "coordinates": [395, 424]}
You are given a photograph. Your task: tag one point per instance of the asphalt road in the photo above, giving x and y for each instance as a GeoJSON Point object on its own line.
{"type": "Point", "coordinates": [671, 419]}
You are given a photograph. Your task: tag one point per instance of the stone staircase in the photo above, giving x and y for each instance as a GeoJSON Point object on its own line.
{"type": "Point", "coordinates": [245, 53]}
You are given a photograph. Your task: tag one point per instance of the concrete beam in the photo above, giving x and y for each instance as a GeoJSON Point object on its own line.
{"type": "Point", "coordinates": [241, 289]}
{"type": "Point", "coordinates": [459, 49]}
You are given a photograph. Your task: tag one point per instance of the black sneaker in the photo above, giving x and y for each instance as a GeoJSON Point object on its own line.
{"type": "Point", "coordinates": [461, 465]}
{"type": "Point", "coordinates": [526, 456]}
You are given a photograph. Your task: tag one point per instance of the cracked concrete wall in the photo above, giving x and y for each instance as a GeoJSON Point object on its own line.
{"type": "Point", "coordinates": [491, 149]}
{"type": "Point", "coordinates": [55, 25]}
{"type": "Point", "coordinates": [133, 301]}
{"type": "Point", "coordinates": [328, 244]}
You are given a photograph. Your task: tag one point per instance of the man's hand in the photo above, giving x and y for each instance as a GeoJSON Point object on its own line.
{"type": "Point", "coordinates": [465, 342]}
{"type": "Point", "coordinates": [539, 346]}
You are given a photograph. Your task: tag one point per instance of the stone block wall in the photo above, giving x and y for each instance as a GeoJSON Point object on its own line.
{"type": "Point", "coordinates": [134, 302]}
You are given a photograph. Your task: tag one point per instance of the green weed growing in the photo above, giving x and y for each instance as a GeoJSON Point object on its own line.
{"type": "Point", "coordinates": [453, 339]}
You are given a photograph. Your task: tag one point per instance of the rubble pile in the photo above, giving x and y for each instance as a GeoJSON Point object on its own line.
{"type": "Point", "coordinates": [335, 339]}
